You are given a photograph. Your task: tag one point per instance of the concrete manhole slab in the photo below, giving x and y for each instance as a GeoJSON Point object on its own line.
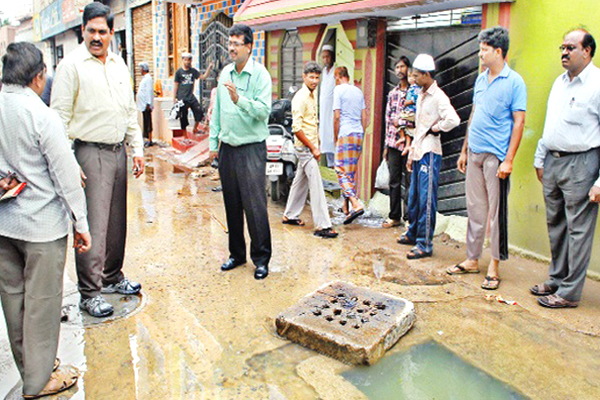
{"type": "Point", "coordinates": [349, 323]}
{"type": "Point", "coordinates": [124, 305]}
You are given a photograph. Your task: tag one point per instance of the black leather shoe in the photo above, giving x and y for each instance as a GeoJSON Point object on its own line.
{"type": "Point", "coordinates": [231, 264]}
{"type": "Point", "coordinates": [261, 272]}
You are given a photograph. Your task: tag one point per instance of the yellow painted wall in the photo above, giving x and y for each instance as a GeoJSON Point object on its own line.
{"type": "Point", "coordinates": [536, 30]}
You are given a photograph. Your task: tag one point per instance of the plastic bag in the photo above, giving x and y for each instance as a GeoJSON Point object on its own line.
{"type": "Point", "coordinates": [382, 179]}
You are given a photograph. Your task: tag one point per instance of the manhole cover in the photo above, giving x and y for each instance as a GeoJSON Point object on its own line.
{"type": "Point", "coordinates": [352, 324]}
{"type": "Point", "coordinates": [124, 306]}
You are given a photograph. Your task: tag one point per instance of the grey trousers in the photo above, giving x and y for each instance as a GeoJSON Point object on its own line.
{"type": "Point", "coordinates": [106, 196]}
{"type": "Point", "coordinates": [31, 288]}
{"type": "Point", "coordinates": [308, 181]}
{"type": "Point", "coordinates": [483, 198]}
{"type": "Point", "coordinates": [571, 219]}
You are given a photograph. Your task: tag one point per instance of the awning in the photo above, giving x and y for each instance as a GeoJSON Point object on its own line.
{"type": "Point", "coordinates": [286, 14]}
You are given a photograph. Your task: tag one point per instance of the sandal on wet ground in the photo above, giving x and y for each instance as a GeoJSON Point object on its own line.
{"type": "Point", "coordinates": [555, 301]}
{"type": "Point", "coordinates": [541, 289]}
{"type": "Point", "coordinates": [416, 254]}
{"type": "Point", "coordinates": [353, 215]}
{"type": "Point", "coordinates": [459, 270]}
{"type": "Point", "coordinates": [405, 240]}
{"type": "Point", "coordinates": [391, 223]}
{"type": "Point", "coordinates": [296, 222]}
{"type": "Point", "coordinates": [327, 233]}
{"type": "Point", "coordinates": [60, 380]}
{"type": "Point", "coordinates": [491, 283]}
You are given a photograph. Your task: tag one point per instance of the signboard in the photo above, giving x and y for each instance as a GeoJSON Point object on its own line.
{"type": "Point", "coordinates": [60, 16]}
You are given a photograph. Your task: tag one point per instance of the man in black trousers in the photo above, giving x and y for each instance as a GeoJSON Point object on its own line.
{"type": "Point", "coordinates": [238, 130]}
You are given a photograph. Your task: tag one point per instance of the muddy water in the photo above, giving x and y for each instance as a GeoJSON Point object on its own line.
{"type": "Point", "coordinates": [206, 334]}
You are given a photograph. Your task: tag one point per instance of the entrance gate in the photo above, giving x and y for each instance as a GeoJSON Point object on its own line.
{"type": "Point", "coordinates": [455, 51]}
{"type": "Point", "coordinates": [213, 48]}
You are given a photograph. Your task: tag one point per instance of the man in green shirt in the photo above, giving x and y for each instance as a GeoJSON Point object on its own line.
{"type": "Point", "coordinates": [238, 130]}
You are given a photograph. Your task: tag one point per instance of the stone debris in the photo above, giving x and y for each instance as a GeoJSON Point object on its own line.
{"type": "Point", "coordinates": [352, 324]}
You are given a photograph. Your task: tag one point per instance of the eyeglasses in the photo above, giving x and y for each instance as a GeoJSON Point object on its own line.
{"type": "Point", "coordinates": [569, 48]}
{"type": "Point", "coordinates": [235, 44]}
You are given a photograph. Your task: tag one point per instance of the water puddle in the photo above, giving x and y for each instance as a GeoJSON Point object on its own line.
{"type": "Point", "coordinates": [428, 371]}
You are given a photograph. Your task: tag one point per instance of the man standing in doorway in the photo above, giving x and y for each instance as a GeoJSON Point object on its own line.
{"type": "Point", "coordinates": [349, 125]}
{"type": "Point", "coordinates": [435, 114]}
{"type": "Point", "coordinates": [567, 162]}
{"type": "Point", "coordinates": [238, 131]}
{"type": "Point", "coordinates": [184, 82]}
{"type": "Point", "coordinates": [145, 102]}
{"type": "Point", "coordinates": [326, 104]}
{"type": "Point", "coordinates": [101, 116]}
{"type": "Point", "coordinates": [308, 175]}
{"type": "Point", "coordinates": [395, 151]}
{"type": "Point", "coordinates": [493, 136]}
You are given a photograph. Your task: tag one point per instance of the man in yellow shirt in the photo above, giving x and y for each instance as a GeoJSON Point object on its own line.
{"type": "Point", "coordinates": [308, 175]}
{"type": "Point", "coordinates": [92, 93]}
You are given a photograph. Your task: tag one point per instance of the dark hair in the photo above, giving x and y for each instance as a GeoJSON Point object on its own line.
{"type": "Point", "coordinates": [588, 41]}
{"type": "Point", "coordinates": [496, 37]}
{"type": "Point", "coordinates": [21, 64]}
{"type": "Point", "coordinates": [342, 72]}
{"type": "Point", "coordinates": [242, 30]}
{"type": "Point", "coordinates": [96, 10]}
{"type": "Point", "coordinates": [405, 60]}
{"type": "Point", "coordinates": [312, 67]}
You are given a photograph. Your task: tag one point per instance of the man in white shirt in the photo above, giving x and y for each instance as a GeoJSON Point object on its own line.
{"type": "Point", "coordinates": [434, 115]}
{"type": "Point", "coordinates": [326, 104]}
{"type": "Point", "coordinates": [567, 162]}
{"type": "Point", "coordinates": [34, 225]}
{"type": "Point", "coordinates": [92, 94]}
{"type": "Point", "coordinates": [145, 102]}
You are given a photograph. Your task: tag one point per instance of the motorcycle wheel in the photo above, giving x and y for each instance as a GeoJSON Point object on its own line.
{"type": "Point", "coordinates": [275, 190]}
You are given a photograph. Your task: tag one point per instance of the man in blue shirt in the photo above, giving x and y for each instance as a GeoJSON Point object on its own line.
{"type": "Point", "coordinates": [493, 137]}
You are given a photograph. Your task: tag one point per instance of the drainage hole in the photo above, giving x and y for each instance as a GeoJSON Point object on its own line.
{"type": "Point", "coordinates": [337, 311]}
{"type": "Point", "coordinates": [342, 322]}
{"type": "Point", "coordinates": [356, 326]}
{"type": "Point", "coordinates": [360, 310]}
{"type": "Point", "coordinates": [329, 318]}
{"type": "Point", "coordinates": [317, 312]}
{"type": "Point", "coordinates": [367, 303]}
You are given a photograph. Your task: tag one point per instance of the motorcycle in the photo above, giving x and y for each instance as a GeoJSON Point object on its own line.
{"type": "Point", "coordinates": [281, 156]}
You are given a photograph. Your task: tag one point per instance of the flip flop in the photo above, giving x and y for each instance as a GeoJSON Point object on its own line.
{"type": "Point", "coordinates": [416, 254]}
{"type": "Point", "coordinates": [390, 223]}
{"type": "Point", "coordinates": [296, 222]}
{"type": "Point", "coordinates": [491, 283]}
{"type": "Point", "coordinates": [327, 233]}
{"type": "Point", "coordinates": [353, 215]}
{"type": "Point", "coordinates": [405, 240]}
{"type": "Point", "coordinates": [460, 270]}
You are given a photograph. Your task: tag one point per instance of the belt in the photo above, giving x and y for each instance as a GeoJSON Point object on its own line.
{"type": "Point", "coordinates": [114, 147]}
{"type": "Point", "coordinates": [559, 154]}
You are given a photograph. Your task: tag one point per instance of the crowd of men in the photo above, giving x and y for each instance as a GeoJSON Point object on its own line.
{"type": "Point", "coordinates": [48, 184]}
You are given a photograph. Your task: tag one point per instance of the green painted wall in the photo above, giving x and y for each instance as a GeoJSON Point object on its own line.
{"type": "Point", "coordinates": [536, 30]}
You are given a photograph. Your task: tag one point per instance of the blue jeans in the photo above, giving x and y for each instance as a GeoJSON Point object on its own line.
{"type": "Point", "coordinates": [422, 200]}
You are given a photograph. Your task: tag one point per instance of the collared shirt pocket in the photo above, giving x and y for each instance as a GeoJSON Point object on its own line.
{"type": "Point", "coordinates": [575, 113]}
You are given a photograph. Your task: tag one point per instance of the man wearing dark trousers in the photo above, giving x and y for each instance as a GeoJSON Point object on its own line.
{"type": "Point", "coordinates": [238, 130]}
{"type": "Point", "coordinates": [92, 93]}
{"type": "Point", "coordinates": [567, 162]}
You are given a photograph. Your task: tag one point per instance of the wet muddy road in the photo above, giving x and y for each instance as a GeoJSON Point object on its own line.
{"type": "Point", "coordinates": [200, 333]}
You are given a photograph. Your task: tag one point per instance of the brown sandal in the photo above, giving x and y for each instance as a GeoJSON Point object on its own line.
{"type": "Point", "coordinates": [491, 283]}
{"type": "Point", "coordinates": [555, 301]}
{"type": "Point", "coordinates": [66, 377]}
{"type": "Point", "coordinates": [541, 289]}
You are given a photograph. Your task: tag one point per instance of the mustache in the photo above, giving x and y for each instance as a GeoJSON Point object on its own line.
{"type": "Point", "coordinates": [565, 57]}
{"type": "Point", "coordinates": [95, 43]}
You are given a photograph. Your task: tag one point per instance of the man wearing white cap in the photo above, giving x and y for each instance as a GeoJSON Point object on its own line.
{"type": "Point", "coordinates": [185, 79]}
{"type": "Point", "coordinates": [434, 115]}
{"type": "Point", "coordinates": [326, 104]}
